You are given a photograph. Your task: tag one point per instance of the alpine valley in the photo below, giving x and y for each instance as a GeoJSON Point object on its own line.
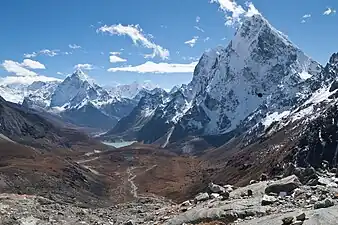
{"type": "Point", "coordinates": [251, 139]}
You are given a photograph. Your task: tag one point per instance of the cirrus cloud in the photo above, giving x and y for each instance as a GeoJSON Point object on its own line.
{"type": "Point", "coordinates": [151, 67]}
{"type": "Point", "coordinates": [74, 46]}
{"type": "Point", "coordinates": [135, 33]}
{"type": "Point", "coordinates": [329, 11]}
{"type": "Point", "coordinates": [192, 42]}
{"type": "Point", "coordinates": [47, 52]}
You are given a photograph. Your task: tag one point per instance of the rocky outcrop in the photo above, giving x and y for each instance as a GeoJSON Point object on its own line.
{"type": "Point", "coordinates": [284, 185]}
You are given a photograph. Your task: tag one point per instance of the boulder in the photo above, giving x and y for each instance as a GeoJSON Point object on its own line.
{"type": "Point", "coordinates": [287, 220]}
{"type": "Point", "coordinates": [268, 200]}
{"type": "Point", "coordinates": [253, 181]}
{"type": "Point", "coordinates": [304, 174]}
{"type": "Point", "coordinates": [202, 197]}
{"type": "Point", "coordinates": [287, 184]}
{"type": "Point", "coordinates": [326, 203]}
{"type": "Point", "coordinates": [215, 196]}
{"type": "Point", "coordinates": [186, 203]}
{"type": "Point", "coordinates": [301, 217]}
{"type": "Point", "coordinates": [216, 188]}
{"type": "Point", "coordinates": [228, 188]}
{"type": "Point", "coordinates": [225, 195]}
{"type": "Point", "coordinates": [264, 177]}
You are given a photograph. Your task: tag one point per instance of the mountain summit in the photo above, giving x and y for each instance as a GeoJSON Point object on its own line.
{"type": "Point", "coordinates": [235, 88]}
{"type": "Point", "coordinates": [76, 89]}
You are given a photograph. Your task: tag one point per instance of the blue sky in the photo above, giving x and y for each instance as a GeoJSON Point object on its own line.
{"type": "Point", "coordinates": [51, 37]}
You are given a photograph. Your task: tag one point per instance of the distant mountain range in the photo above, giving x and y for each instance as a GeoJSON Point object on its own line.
{"type": "Point", "coordinates": [78, 99]}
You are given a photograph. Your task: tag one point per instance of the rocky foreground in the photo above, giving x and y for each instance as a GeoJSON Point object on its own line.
{"type": "Point", "coordinates": [275, 201]}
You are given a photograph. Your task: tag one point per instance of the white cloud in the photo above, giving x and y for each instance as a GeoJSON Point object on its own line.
{"type": "Point", "coordinates": [25, 79]}
{"type": "Point", "coordinates": [47, 52]}
{"type": "Point", "coordinates": [116, 59]}
{"type": "Point", "coordinates": [305, 18]}
{"type": "Point", "coordinates": [329, 11]}
{"type": "Point", "coordinates": [206, 39]}
{"type": "Point", "coordinates": [50, 53]}
{"type": "Point", "coordinates": [74, 46]}
{"type": "Point", "coordinates": [137, 36]}
{"type": "Point", "coordinates": [192, 42]}
{"type": "Point", "coordinates": [32, 64]}
{"type": "Point", "coordinates": [17, 68]}
{"type": "Point", "coordinates": [235, 12]}
{"type": "Point", "coordinates": [198, 28]}
{"type": "Point", "coordinates": [20, 69]}
{"type": "Point", "coordinates": [30, 55]}
{"type": "Point", "coordinates": [151, 67]}
{"type": "Point", "coordinates": [85, 66]}
{"type": "Point", "coordinates": [59, 73]}
{"type": "Point", "coordinates": [198, 19]}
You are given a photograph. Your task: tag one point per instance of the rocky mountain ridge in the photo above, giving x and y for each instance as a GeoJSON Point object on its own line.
{"type": "Point", "coordinates": [258, 78]}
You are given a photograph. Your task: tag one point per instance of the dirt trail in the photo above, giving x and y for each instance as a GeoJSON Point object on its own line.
{"type": "Point", "coordinates": [81, 162]}
{"type": "Point", "coordinates": [131, 178]}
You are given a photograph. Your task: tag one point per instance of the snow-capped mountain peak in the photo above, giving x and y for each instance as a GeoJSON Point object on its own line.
{"type": "Point", "coordinates": [233, 88]}
{"type": "Point", "coordinates": [80, 75]}
{"type": "Point", "coordinates": [75, 88]}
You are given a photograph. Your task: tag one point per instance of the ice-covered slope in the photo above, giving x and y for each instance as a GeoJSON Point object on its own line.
{"type": "Point", "coordinates": [40, 94]}
{"type": "Point", "coordinates": [234, 88]}
{"type": "Point", "coordinates": [76, 89]}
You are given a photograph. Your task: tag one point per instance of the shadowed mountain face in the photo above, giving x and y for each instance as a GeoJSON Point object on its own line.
{"type": "Point", "coordinates": [26, 126]}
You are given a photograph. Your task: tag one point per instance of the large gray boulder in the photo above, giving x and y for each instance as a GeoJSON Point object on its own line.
{"type": "Point", "coordinates": [216, 188]}
{"type": "Point", "coordinates": [202, 197]}
{"type": "Point", "coordinates": [326, 203]}
{"type": "Point", "coordinates": [287, 184]}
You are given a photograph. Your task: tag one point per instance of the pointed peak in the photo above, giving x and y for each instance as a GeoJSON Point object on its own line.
{"type": "Point", "coordinates": [80, 74]}
{"type": "Point", "coordinates": [334, 59]}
